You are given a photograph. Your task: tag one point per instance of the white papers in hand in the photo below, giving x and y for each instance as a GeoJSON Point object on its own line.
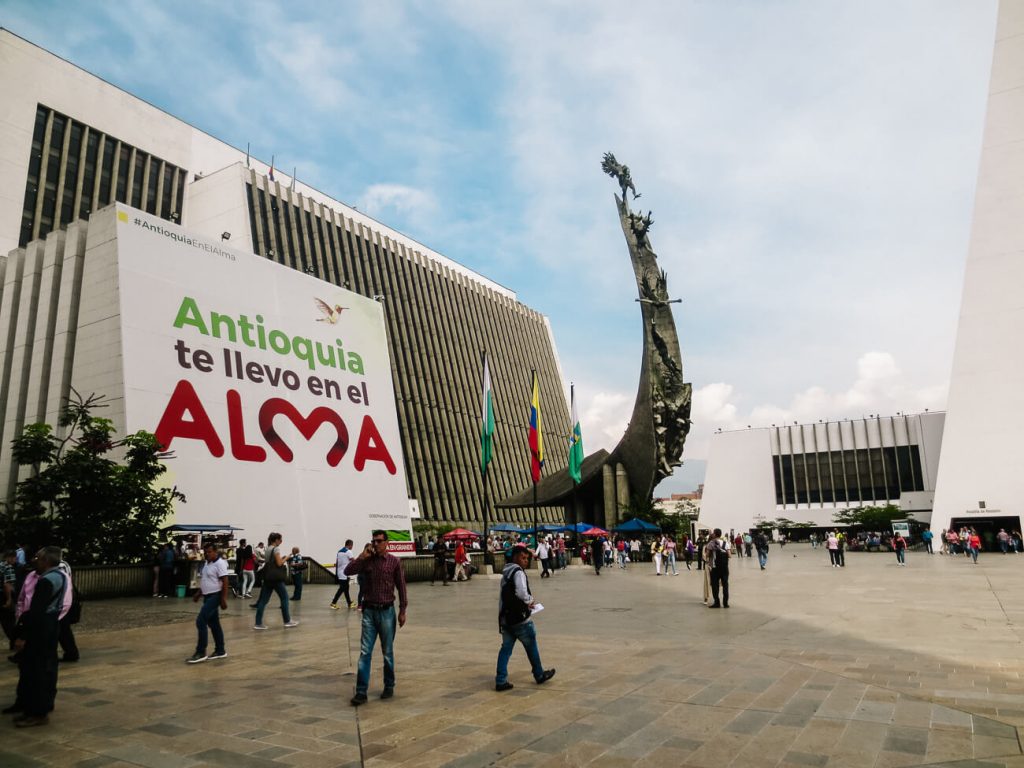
{"type": "Point", "coordinates": [537, 608]}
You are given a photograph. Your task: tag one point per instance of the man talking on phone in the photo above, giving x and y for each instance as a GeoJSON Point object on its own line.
{"type": "Point", "coordinates": [383, 573]}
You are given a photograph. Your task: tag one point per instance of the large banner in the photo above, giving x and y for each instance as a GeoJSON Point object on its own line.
{"type": "Point", "coordinates": [272, 389]}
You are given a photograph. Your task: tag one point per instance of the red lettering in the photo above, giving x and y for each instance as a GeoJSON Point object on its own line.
{"type": "Point", "coordinates": [307, 428]}
{"type": "Point", "coordinates": [173, 424]}
{"type": "Point", "coordinates": [371, 447]}
{"type": "Point", "coordinates": [239, 448]}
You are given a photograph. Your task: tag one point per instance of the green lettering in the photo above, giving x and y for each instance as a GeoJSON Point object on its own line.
{"type": "Point", "coordinates": [188, 314]}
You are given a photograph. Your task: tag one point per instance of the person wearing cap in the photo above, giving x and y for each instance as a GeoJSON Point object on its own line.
{"type": "Point", "coordinates": [515, 607]}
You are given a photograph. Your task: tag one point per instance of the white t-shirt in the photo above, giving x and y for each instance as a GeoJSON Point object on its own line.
{"type": "Point", "coordinates": [344, 557]}
{"type": "Point", "coordinates": [542, 550]}
{"type": "Point", "coordinates": [210, 575]}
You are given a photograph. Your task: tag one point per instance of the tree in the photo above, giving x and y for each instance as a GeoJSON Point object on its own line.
{"type": "Point", "coordinates": [870, 518]}
{"type": "Point", "coordinates": [99, 510]}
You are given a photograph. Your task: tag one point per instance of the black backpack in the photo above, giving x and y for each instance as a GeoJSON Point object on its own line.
{"type": "Point", "coordinates": [513, 610]}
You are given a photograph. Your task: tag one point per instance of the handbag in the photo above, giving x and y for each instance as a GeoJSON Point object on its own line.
{"type": "Point", "coordinates": [272, 572]}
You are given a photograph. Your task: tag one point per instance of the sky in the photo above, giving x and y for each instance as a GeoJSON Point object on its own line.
{"type": "Point", "coordinates": [810, 166]}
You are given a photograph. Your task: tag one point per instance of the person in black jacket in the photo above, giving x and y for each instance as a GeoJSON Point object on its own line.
{"type": "Point", "coordinates": [515, 607]}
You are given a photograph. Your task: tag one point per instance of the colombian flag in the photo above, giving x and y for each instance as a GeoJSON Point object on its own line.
{"type": "Point", "coordinates": [536, 439]}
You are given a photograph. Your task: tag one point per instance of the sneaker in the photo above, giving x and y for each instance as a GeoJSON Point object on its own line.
{"type": "Point", "coordinates": [292, 623]}
{"type": "Point", "coordinates": [359, 698]}
{"type": "Point", "coordinates": [503, 687]}
{"type": "Point", "coordinates": [387, 693]}
{"type": "Point", "coordinates": [260, 626]}
{"type": "Point", "coordinates": [334, 606]}
{"type": "Point", "coordinates": [548, 674]}
{"type": "Point", "coordinates": [353, 607]}
{"type": "Point", "coordinates": [196, 658]}
{"type": "Point", "coordinates": [218, 655]}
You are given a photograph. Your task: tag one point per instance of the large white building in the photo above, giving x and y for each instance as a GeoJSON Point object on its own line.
{"type": "Point", "coordinates": [73, 146]}
{"type": "Point", "coordinates": [976, 478]}
{"type": "Point", "coordinates": [807, 472]}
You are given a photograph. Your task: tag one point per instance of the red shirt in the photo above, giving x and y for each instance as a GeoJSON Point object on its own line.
{"type": "Point", "coordinates": [385, 574]}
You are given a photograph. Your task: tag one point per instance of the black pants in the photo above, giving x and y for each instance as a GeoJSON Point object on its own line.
{"type": "Point", "coordinates": [342, 590]}
{"type": "Point", "coordinates": [7, 623]}
{"type": "Point", "coordinates": [832, 559]}
{"type": "Point", "coordinates": [440, 571]}
{"type": "Point", "coordinates": [720, 576]}
{"type": "Point", "coordinates": [37, 681]}
{"type": "Point", "coordinates": [840, 558]}
{"type": "Point", "coordinates": [66, 638]}
{"type": "Point", "coordinates": [167, 581]}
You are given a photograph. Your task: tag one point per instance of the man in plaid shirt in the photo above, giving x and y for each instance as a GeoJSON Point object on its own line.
{"type": "Point", "coordinates": [382, 573]}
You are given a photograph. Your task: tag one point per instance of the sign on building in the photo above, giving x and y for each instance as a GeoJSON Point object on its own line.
{"type": "Point", "coordinates": [272, 389]}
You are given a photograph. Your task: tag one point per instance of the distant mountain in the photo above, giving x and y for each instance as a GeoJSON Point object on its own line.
{"type": "Point", "coordinates": [685, 479]}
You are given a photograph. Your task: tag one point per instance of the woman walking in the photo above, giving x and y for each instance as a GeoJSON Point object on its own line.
{"type": "Point", "coordinates": [900, 545]}
{"type": "Point", "coordinates": [274, 575]}
{"type": "Point", "coordinates": [974, 544]}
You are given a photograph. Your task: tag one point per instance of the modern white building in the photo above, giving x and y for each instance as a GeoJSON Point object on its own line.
{"type": "Point", "coordinates": [981, 480]}
{"type": "Point", "coordinates": [72, 145]}
{"type": "Point", "coordinates": [807, 472]}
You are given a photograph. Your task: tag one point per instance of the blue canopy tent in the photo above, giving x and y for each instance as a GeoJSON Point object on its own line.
{"type": "Point", "coordinates": [507, 527]}
{"type": "Point", "coordinates": [636, 525]}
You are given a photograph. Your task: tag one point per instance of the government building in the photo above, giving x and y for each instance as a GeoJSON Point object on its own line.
{"type": "Point", "coordinates": [72, 146]}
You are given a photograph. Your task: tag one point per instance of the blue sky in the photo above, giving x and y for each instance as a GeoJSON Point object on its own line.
{"type": "Point", "coordinates": [810, 166]}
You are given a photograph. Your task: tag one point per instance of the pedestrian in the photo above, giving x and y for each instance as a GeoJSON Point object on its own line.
{"type": "Point", "coordinates": [259, 556]}
{"type": "Point", "coordinates": [597, 554]}
{"type": "Point", "coordinates": [1004, 540]}
{"type": "Point", "coordinates": [620, 548]}
{"type": "Point", "coordinates": [952, 542]}
{"type": "Point", "coordinates": [761, 545]}
{"type": "Point", "coordinates": [841, 549]}
{"type": "Point", "coordinates": [274, 573]}
{"type": "Point", "coordinates": [8, 580]}
{"type": "Point", "coordinates": [701, 543]}
{"type": "Point", "coordinates": [440, 562]}
{"type": "Point", "coordinates": [748, 542]}
{"type": "Point", "coordinates": [634, 550]}
{"type": "Point", "coordinates": [560, 550]}
{"type": "Point", "coordinates": [669, 556]}
{"type": "Point", "coordinates": [36, 642]}
{"type": "Point", "coordinates": [899, 544]}
{"type": "Point", "coordinates": [70, 613]}
{"type": "Point", "coordinates": [974, 544]}
{"type": "Point", "coordinates": [167, 571]}
{"type": "Point", "coordinates": [297, 567]}
{"type": "Point", "coordinates": [156, 570]}
{"type": "Point", "coordinates": [543, 554]}
{"type": "Point", "coordinates": [213, 592]}
{"type": "Point", "coordinates": [515, 609]}
{"type": "Point", "coordinates": [385, 575]}
{"type": "Point", "coordinates": [248, 561]}
{"type": "Point", "coordinates": [656, 556]}
{"type": "Point", "coordinates": [607, 547]}
{"type": "Point", "coordinates": [342, 559]}
{"type": "Point", "coordinates": [833, 544]}
{"type": "Point", "coordinates": [718, 562]}
{"type": "Point", "coordinates": [926, 537]}
{"type": "Point", "coordinates": [688, 551]}
{"type": "Point", "coordinates": [461, 560]}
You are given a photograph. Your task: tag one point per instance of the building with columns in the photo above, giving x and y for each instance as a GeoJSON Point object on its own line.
{"type": "Point", "coordinates": [72, 144]}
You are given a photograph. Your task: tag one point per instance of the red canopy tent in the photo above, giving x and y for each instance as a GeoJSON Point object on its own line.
{"type": "Point", "coordinates": [461, 533]}
{"type": "Point", "coordinates": [595, 531]}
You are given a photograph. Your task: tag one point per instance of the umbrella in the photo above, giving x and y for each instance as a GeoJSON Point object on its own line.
{"type": "Point", "coordinates": [636, 525]}
{"type": "Point", "coordinates": [506, 527]}
{"type": "Point", "coordinates": [461, 533]}
{"type": "Point", "coordinates": [595, 531]}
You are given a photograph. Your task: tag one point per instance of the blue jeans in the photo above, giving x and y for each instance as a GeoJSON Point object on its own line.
{"type": "Point", "coordinates": [974, 553]}
{"type": "Point", "coordinates": [377, 622]}
{"type": "Point", "coordinates": [901, 556]}
{"type": "Point", "coordinates": [670, 561]}
{"type": "Point", "coordinates": [762, 558]}
{"type": "Point", "coordinates": [297, 584]}
{"type": "Point", "coordinates": [209, 617]}
{"type": "Point", "coordinates": [525, 633]}
{"type": "Point", "coordinates": [265, 591]}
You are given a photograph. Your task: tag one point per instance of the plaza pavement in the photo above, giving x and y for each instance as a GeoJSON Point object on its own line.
{"type": "Point", "coordinates": [867, 666]}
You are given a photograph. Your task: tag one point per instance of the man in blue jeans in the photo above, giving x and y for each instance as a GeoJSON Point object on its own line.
{"type": "Point", "coordinates": [383, 574]}
{"type": "Point", "coordinates": [515, 606]}
{"type": "Point", "coordinates": [213, 591]}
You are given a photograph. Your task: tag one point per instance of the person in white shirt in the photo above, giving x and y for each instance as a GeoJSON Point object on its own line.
{"type": "Point", "coordinates": [544, 555]}
{"type": "Point", "coordinates": [340, 563]}
{"type": "Point", "coordinates": [213, 591]}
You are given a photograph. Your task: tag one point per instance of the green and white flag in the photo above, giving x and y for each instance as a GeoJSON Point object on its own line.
{"type": "Point", "coordinates": [575, 442]}
{"type": "Point", "coordinates": [487, 430]}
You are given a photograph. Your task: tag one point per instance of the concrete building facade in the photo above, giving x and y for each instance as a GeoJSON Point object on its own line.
{"type": "Point", "coordinates": [72, 144]}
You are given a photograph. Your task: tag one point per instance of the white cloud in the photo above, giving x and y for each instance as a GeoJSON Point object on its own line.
{"type": "Point", "coordinates": [603, 419]}
{"type": "Point", "coordinates": [384, 199]}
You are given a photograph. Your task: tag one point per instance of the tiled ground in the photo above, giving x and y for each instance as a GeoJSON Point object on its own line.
{"type": "Point", "coordinates": [871, 665]}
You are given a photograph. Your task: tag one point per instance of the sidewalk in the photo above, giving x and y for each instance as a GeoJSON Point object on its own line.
{"type": "Point", "coordinates": [871, 665]}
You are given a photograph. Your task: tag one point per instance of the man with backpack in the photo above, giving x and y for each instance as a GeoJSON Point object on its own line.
{"type": "Point", "coordinates": [515, 608]}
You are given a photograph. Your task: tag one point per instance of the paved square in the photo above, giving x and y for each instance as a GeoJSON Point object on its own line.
{"type": "Point", "coordinates": [871, 665]}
